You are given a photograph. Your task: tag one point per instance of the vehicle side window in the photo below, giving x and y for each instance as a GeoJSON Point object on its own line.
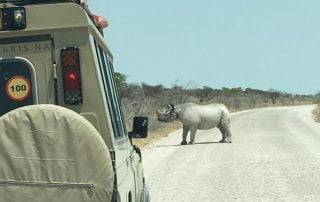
{"type": "Point", "coordinates": [111, 94]}
{"type": "Point", "coordinates": [116, 94]}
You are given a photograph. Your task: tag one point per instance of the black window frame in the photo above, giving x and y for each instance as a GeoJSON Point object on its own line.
{"type": "Point", "coordinates": [111, 93]}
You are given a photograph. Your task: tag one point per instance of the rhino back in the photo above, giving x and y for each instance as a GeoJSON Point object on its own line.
{"type": "Point", "coordinates": [201, 116]}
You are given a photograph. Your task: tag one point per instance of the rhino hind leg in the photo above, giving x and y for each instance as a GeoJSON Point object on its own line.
{"type": "Point", "coordinates": [225, 127]}
{"type": "Point", "coordinates": [223, 133]}
{"type": "Point", "coordinates": [192, 135]}
{"type": "Point", "coordinates": [229, 135]}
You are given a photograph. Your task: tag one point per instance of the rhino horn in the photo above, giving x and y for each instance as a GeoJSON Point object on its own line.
{"type": "Point", "coordinates": [172, 108]}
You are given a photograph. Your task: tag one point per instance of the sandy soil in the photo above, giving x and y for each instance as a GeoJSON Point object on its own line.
{"type": "Point", "coordinates": [275, 156]}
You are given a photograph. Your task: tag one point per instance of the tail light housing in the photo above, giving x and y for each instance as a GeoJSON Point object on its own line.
{"type": "Point", "coordinates": [71, 74]}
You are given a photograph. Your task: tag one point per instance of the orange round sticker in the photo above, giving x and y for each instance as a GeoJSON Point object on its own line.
{"type": "Point", "coordinates": [18, 88]}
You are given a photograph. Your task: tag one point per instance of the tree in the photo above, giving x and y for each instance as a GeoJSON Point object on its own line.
{"type": "Point", "coordinates": [152, 91]}
{"type": "Point", "coordinates": [121, 82]}
{"type": "Point", "coordinates": [274, 94]}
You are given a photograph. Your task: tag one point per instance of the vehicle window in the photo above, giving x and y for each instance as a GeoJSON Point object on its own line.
{"type": "Point", "coordinates": [110, 68]}
{"type": "Point", "coordinates": [15, 85]}
{"type": "Point", "coordinates": [111, 94]}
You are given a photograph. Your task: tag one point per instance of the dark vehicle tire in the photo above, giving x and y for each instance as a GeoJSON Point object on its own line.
{"type": "Point", "coordinates": [50, 153]}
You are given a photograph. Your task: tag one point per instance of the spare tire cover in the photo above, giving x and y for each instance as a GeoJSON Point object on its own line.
{"type": "Point", "coordinates": [50, 153]}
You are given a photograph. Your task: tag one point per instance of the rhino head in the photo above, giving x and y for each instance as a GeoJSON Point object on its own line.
{"type": "Point", "coordinates": [167, 115]}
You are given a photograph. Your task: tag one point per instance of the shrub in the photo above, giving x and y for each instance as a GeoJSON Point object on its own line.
{"type": "Point", "coordinates": [144, 100]}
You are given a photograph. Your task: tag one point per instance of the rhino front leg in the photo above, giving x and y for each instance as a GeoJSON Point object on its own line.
{"type": "Point", "coordinates": [185, 131]}
{"type": "Point", "coordinates": [192, 135]}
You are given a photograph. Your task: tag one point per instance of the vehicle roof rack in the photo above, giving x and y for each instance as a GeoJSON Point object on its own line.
{"type": "Point", "coordinates": [25, 2]}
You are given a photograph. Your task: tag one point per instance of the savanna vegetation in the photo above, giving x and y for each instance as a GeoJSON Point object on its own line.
{"type": "Point", "coordinates": [316, 112]}
{"type": "Point", "coordinates": [144, 100]}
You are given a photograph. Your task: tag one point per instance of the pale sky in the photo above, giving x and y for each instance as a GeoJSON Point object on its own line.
{"type": "Point", "coordinates": [259, 44]}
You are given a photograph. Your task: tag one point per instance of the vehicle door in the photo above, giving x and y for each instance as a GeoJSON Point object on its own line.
{"type": "Point", "coordinates": [25, 68]}
{"type": "Point", "coordinates": [123, 149]}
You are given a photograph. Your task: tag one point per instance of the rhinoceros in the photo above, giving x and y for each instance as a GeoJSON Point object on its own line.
{"type": "Point", "coordinates": [198, 117]}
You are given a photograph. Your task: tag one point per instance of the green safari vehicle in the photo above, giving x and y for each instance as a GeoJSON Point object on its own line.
{"type": "Point", "coordinates": [62, 131]}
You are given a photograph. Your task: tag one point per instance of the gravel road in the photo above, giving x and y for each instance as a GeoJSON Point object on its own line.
{"type": "Point", "coordinates": [275, 156]}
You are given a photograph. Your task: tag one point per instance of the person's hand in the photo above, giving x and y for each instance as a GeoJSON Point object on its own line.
{"type": "Point", "coordinates": [102, 22]}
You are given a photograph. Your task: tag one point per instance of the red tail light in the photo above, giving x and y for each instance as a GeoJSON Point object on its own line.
{"type": "Point", "coordinates": [71, 74]}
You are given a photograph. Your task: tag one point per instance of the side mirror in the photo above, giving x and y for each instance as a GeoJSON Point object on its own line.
{"type": "Point", "coordinates": [140, 127]}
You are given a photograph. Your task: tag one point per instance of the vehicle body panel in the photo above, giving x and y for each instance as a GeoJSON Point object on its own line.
{"type": "Point", "coordinates": [52, 27]}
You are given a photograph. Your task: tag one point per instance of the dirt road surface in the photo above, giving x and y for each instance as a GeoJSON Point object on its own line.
{"type": "Point", "coordinates": [275, 156]}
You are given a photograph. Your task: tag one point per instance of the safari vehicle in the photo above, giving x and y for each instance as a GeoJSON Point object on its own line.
{"type": "Point", "coordinates": [62, 130]}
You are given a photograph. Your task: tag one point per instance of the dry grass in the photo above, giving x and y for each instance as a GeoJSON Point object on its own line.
{"type": "Point", "coordinates": [316, 113]}
{"type": "Point", "coordinates": [153, 136]}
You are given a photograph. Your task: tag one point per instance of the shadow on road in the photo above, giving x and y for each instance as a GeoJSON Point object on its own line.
{"type": "Point", "coordinates": [179, 145]}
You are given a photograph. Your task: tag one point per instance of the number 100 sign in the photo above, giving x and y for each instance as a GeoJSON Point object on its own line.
{"type": "Point", "coordinates": [18, 88]}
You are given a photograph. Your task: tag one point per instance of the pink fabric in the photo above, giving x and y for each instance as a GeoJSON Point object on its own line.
{"type": "Point", "coordinates": [102, 22]}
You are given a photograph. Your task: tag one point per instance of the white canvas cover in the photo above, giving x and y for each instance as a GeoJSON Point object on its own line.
{"type": "Point", "coordinates": [49, 153]}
